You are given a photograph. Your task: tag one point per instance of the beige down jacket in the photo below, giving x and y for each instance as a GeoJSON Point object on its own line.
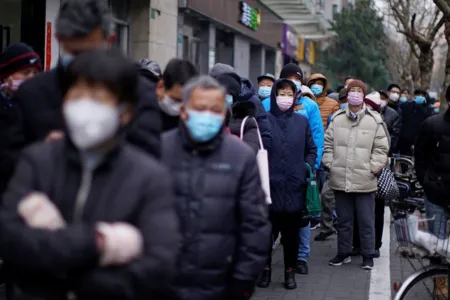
{"type": "Point", "coordinates": [355, 150]}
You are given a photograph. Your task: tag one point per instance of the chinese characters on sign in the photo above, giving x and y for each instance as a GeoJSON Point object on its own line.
{"type": "Point", "coordinates": [250, 17]}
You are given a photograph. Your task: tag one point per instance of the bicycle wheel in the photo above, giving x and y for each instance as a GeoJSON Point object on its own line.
{"type": "Point", "coordinates": [428, 283]}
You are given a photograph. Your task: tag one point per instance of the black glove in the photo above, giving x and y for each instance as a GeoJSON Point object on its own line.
{"type": "Point", "coordinates": [240, 289]}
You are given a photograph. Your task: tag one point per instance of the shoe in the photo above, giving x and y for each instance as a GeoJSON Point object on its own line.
{"type": "Point", "coordinates": [440, 290]}
{"type": "Point", "coordinates": [265, 278]}
{"type": "Point", "coordinates": [314, 224]}
{"type": "Point", "coordinates": [367, 263]}
{"type": "Point", "coordinates": [323, 236]}
{"type": "Point", "coordinates": [339, 260]}
{"type": "Point", "coordinates": [289, 279]}
{"type": "Point", "coordinates": [377, 253]}
{"type": "Point", "coordinates": [302, 267]}
{"type": "Point", "coordinates": [356, 252]}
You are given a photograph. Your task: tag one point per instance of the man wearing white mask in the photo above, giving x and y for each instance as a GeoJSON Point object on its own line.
{"type": "Point", "coordinates": [392, 119]}
{"type": "Point", "coordinates": [393, 91]}
{"type": "Point", "coordinates": [169, 88]}
{"type": "Point", "coordinates": [89, 216]}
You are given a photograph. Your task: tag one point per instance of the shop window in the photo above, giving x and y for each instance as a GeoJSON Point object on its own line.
{"type": "Point", "coordinates": [10, 22]}
{"type": "Point", "coordinates": [120, 12]}
{"type": "Point", "coordinates": [186, 47]}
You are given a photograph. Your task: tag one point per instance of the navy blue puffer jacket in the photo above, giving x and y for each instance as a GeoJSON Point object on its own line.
{"type": "Point", "coordinates": [292, 147]}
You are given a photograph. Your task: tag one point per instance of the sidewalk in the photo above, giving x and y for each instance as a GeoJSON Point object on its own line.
{"type": "Point", "coordinates": [348, 282]}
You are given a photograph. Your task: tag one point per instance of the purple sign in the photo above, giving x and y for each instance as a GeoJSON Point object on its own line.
{"type": "Point", "coordinates": [290, 40]}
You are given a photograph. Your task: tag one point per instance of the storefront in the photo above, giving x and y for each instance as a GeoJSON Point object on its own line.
{"type": "Point", "coordinates": [306, 55]}
{"type": "Point", "coordinates": [22, 21]}
{"type": "Point", "coordinates": [244, 34]}
{"type": "Point", "coordinates": [289, 45]}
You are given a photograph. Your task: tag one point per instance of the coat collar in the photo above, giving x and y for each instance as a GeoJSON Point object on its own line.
{"type": "Point", "coordinates": [203, 148]}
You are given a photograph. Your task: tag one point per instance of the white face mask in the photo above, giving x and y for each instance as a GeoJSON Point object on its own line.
{"type": "Point", "coordinates": [383, 103]}
{"type": "Point", "coordinates": [394, 97]}
{"type": "Point", "coordinates": [170, 106]}
{"type": "Point", "coordinates": [90, 122]}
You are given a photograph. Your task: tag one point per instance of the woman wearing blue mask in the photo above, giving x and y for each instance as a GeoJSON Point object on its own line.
{"type": "Point", "coordinates": [413, 114]}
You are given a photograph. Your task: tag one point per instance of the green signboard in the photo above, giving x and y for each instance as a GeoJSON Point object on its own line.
{"type": "Point", "coordinates": [250, 17]}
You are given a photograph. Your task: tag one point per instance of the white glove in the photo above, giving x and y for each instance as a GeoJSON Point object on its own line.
{"type": "Point", "coordinates": [39, 211]}
{"type": "Point", "coordinates": [122, 243]}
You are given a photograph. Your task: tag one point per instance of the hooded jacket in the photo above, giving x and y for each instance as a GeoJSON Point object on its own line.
{"type": "Point", "coordinates": [248, 93]}
{"type": "Point", "coordinates": [239, 111]}
{"type": "Point", "coordinates": [394, 125]}
{"type": "Point", "coordinates": [355, 150]}
{"type": "Point", "coordinates": [293, 146]}
{"type": "Point", "coordinates": [327, 105]}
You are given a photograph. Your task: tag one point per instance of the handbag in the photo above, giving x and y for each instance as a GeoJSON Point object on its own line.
{"type": "Point", "coordinates": [262, 160]}
{"type": "Point", "coordinates": [387, 186]}
{"type": "Point", "coordinates": [313, 204]}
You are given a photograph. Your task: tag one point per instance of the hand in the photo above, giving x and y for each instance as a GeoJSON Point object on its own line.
{"type": "Point", "coordinates": [241, 289]}
{"type": "Point", "coordinates": [38, 211]}
{"type": "Point", "coordinates": [119, 243]}
{"type": "Point", "coordinates": [55, 135]}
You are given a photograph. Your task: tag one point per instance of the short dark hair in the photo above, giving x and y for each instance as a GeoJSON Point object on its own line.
{"type": "Point", "coordinates": [393, 85]}
{"type": "Point", "coordinates": [420, 92]}
{"type": "Point", "coordinates": [108, 67]}
{"type": "Point", "coordinates": [286, 84]}
{"type": "Point", "coordinates": [178, 71]}
{"type": "Point", "coordinates": [348, 77]}
{"type": "Point", "coordinates": [405, 91]}
{"type": "Point", "coordinates": [78, 18]}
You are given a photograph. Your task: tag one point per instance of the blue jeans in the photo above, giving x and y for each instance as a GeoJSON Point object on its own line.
{"type": "Point", "coordinates": [304, 247]}
{"type": "Point", "coordinates": [437, 226]}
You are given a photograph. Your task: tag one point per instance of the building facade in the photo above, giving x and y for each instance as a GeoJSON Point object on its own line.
{"type": "Point", "coordinates": [244, 34]}
{"type": "Point", "coordinates": [141, 28]}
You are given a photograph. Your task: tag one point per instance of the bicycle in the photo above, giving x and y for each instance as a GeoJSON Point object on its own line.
{"type": "Point", "coordinates": [438, 254]}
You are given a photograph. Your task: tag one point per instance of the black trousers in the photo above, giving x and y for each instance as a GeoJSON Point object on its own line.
{"type": "Point", "coordinates": [379, 225]}
{"type": "Point", "coordinates": [288, 225]}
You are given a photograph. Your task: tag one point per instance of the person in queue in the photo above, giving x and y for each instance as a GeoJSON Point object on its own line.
{"type": "Point", "coordinates": [393, 91]}
{"type": "Point", "coordinates": [318, 84]}
{"type": "Point", "coordinates": [169, 89]}
{"type": "Point", "coordinates": [292, 149]}
{"type": "Point", "coordinates": [393, 121]}
{"type": "Point", "coordinates": [414, 114]}
{"type": "Point", "coordinates": [81, 26]}
{"type": "Point", "coordinates": [248, 93]}
{"type": "Point", "coordinates": [307, 106]}
{"type": "Point", "coordinates": [221, 205]}
{"type": "Point", "coordinates": [327, 216]}
{"type": "Point", "coordinates": [239, 110]}
{"type": "Point", "coordinates": [18, 63]}
{"type": "Point", "coordinates": [71, 224]}
{"type": "Point", "coordinates": [150, 70]}
{"type": "Point", "coordinates": [404, 96]}
{"type": "Point", "coordinates": [356, 150]}
{"type": "Point", "coordinates": [265, 83]}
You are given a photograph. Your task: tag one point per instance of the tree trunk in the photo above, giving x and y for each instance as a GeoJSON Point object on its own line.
{"type": "Point", "coordinates": [446, 82]}
{"type": "Point", "coordinates": [426, 62]}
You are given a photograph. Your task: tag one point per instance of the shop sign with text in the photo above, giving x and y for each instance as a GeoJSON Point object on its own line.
{"type": "Point", "coordinates": [250, 17]}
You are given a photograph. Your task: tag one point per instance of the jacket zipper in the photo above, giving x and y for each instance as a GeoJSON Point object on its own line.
{"type": "Point", "coordinates": [82, 194]}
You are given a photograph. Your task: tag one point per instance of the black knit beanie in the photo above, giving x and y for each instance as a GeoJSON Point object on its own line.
{"type": "Point", "coordinates": [231, 82]}
{"type": "Point", "coordinates": [291, 69]}
{"type": "Point", "coordinates": [18, 57]}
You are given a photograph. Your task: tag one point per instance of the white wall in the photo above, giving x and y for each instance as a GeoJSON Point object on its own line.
{"type": "Point", "coordinates": [51, 12]}
{"type": "Point", "coordinates": [241, 56]}
{"type": "Point", "coordinates": [163, 31]}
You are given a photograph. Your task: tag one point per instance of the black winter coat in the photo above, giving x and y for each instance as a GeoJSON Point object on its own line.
{"type": "Point", "coordinates": [127, 186]}
{"type": "Point", "coordinates": [413, 116]}
{"type": "Point", "coordinates": [432, 158]}
{"type": "Point", "coordinates": [240, 110]}
{"type": "Point", "coordinates": [9, 138]}
{"type": "Point", "coordinates": [292, 147]}
{"type": "Point", "coordinates": [223, 215]}
{"type": "Point", "coordinates": [394, 125]}
{"type": "Point", "coordinates": [40, 101]}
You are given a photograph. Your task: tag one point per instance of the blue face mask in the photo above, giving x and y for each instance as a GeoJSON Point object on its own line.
{"type": "Point", "coordinates": [436, 110]}
{"type": "Point", "coordinates": [298, 85]}
{"type": "Point", "coordinates": [316, 89]}
{"type": "Point", "coordinates": [419, 99]}
{"type": "Point", "coordinates": [343, 106]}
{"type": "Point", "coordinates": [403, 99]}
{"type": "Point", "coordinates": [229, 99]}
{"type": "Point", "coordinates": [66, 59]}
{"type": "Point", "coordinates": [264, 91]}
{"type": "Point", "coordinates": [203, 125]}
